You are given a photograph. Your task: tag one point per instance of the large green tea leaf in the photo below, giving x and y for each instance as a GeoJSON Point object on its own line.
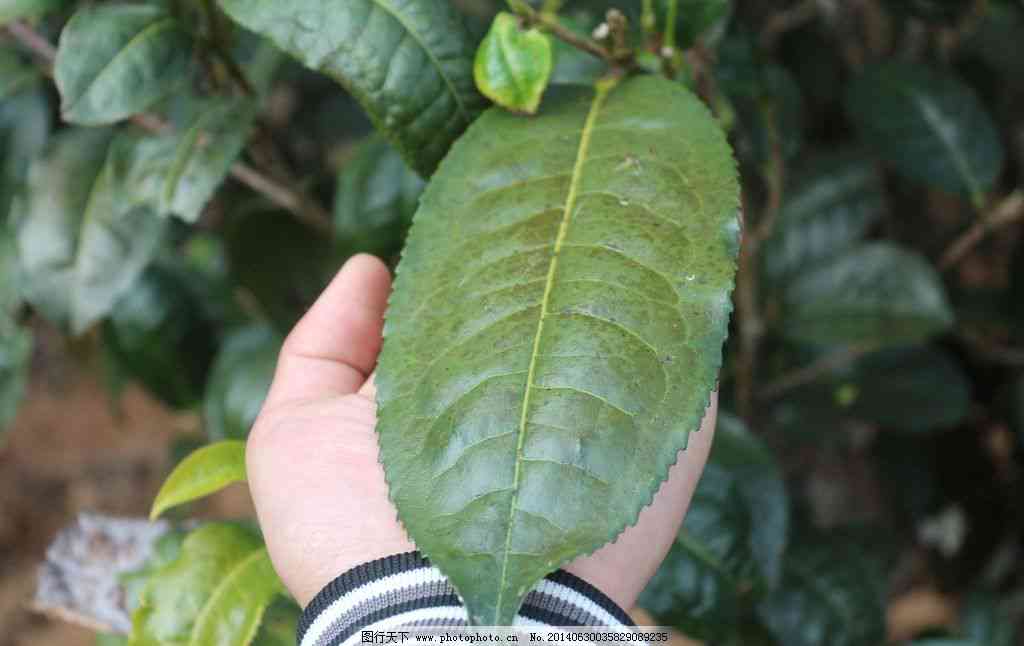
{"type": "Point", "coordinates": [732, 540]}
{"type": "Point", "coordinates": [929, 125]}
{"type": "Point", "coordinates": [376, 197]}
{"type": "Point", "coordinates": [828, 211]}
{"type": "Point", "coordinates": [83, 237]}
{"type": "Point", "coordinates": [239, 382]}
{"type": "Point", "coordinates": [830, 594]}
{"type": "Point", "coordinates": [409, 62]}
{"type": "Point", "coordinates": [555, 330]}
{"type": "Point", "coordinates": [214, 592]}
{"type": "Point", "coordinates": [876, 293]}
{"type": "Point", "coordinates": [116, 60]}
{"type": "Point", "coordinates": [24, 124]}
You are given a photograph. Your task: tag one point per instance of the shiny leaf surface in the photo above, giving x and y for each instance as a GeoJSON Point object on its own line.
{"type": "Point", "coordinates": [376, 197]}
{"type": "Point", "coordinates": [409, 62]}
{"type": "Point", "coordinates": [215, 592]}
{"type": "Point", "coordinates": [876, 293]}
{"type": "Point", "coordinates": [83, 238]}
{"type": "Point", "coordinates": [513, 65]}
{"type": "Point", "coordinates": [827, 212]}
{"type": "Point", "coordinates": [929, 125]}
{"type": "Point", "coordinates": [731, 542]}
{"type": "Point", "coordinates": [205, 471]}
{"type": "Point", "coordinates": [239, 382]}
{"type": "Point", "coordinates": [829, 595]}
{"type": "Point", "coordinates": [556, 325]}
{"type": "Point", "coordinates": [116, 60]}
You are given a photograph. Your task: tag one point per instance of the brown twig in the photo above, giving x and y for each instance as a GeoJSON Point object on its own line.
{"type": "Point", "coordinates": [784, 21]}
{"type": "Point", "coordinates": [1007, 211]}
{"type": "Point", "coordinates": [550, 23]}
{"type": "Point", "coordinates": [748, 311]}
{"type": "Point", "coordinates": [304, 208]}
{"type": "Point", "coordinates": [813, 371]}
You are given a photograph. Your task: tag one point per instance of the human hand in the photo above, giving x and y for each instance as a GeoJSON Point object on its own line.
{"type": "Point", "coordinates": [319, 489]}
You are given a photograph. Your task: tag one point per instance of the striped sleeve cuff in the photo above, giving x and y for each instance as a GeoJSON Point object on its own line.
{"type": "Point", "coordinates": [406, 591]}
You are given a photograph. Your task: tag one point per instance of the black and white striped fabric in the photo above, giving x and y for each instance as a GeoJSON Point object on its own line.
{"type": "Point", "coordinates": [406, 591]}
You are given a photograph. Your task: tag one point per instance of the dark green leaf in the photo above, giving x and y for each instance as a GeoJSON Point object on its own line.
{"type": "Point", "coordinates": [877, 293]}
{"type": "Point", "coordinates": [239, 382]}
{"type": "Point", "coordinates": [158, 335]}
{"type": "Point", "coordinates": [766, 99]}
{"type": "Point", "coordinates": [205, 471]}
{"type": "Point", "coordinates": [13, 9]}
{"type": "Point", "coordinates": [15, 352]}
{"type": "Point", "coordinates": [695, 19]}
{"type": "Point", "coordinates": [929, 125]}
{"type": "Point", "coordinates": [941, 10]}
{"type": "Point", "coordinates": [282, 264]}
{"type": "Point", "coordinates": [830, 594]}
{"type": "Point", "coordinates": [986, 621]}
{"type": "Point", "coordinates": [24, 125]}
{"type": "Point", "coordinates": [116, 60]}
{"type": "Point", "coordinates": [215, 592]}
{"type": "Point", "coordinates": [376, 197]}
{"type": "Point", "coordinates": [513, 65]}
{"type": "Point", "coordinates": [409, 62]}
{"type": "Point", "coordinates": [829, 210]}
{"type": "Point", "coordinates": [180, 172]}
{"type": "Point", "coordinates": [556, 325]}
{"type": "Point", "coordinates": [731, 543]}
{"type": "Point", "coordinates": [911, 389]}
{"type": "Point", "coordinates": [83, 237]}
{"type": "Point", "coordinates": [573, 65]}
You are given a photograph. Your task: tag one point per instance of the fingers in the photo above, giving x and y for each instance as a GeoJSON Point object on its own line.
{"type": "Point", "coordinates": [335, 345]}
{"type": "Point", "coordinates": [622, 568]}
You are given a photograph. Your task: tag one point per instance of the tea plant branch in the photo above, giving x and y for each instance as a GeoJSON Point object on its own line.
{"type": "Point", "coordinates": [813, 371]}
{"type": "Point", "coordinates": [219, 50]}
{"type": "Point", "coordinates": [748, 311]}
{"type": "Point", "coordinates": [785, 21]}
{"type": "Point", "coordinates": [549, 23]}
{"type": "Point", "coordinates": [303, 207]}
{"type": "Point", "coordinates": [994, 351]}
{"type": "Point", "coordinates": [1006, 212]}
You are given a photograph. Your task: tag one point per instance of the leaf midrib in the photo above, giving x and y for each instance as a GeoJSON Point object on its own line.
{"type": "Point", "coordinates": [433, 59]}
{"type": "Point", "coordinates": [225, 584]}
{"type": "Point", "coordinates": [601, 92]}
{"type": "Point", "coordinates": [160, 24]}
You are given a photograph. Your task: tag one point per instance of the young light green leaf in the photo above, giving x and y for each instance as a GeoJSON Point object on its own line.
{"type": "Point", "coordinates": [876, 293]}
{"type": "Point", "coordinates": [929, 125]}
{"type": "Point", "coordinates": [555, 325]}
{"type": "Point", "coordinates": [731, 543]}
{"type": "Point", "coordinates": [376, 197]}
{"type": "Point", "coordinates": [215, 592]}
{"type": "Point", "coordinates": [116, 60]}
{"type": "Point", "coordinates": [14, 9]}
{"type": "Point", "coordinates": [513, 65]}
{"type": "Point", "coordinates": [239, 382]}
{"type": "Point", "coordinates": [830, 594]}
{"type": "Point", "coordinates": [205, 471]}
{"type": "Point", "coordinates": [827, 212]}
{"type": "Point", "coordinates": [83, 236]}
{"type": "Point", "coordinates": [408, 62]}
